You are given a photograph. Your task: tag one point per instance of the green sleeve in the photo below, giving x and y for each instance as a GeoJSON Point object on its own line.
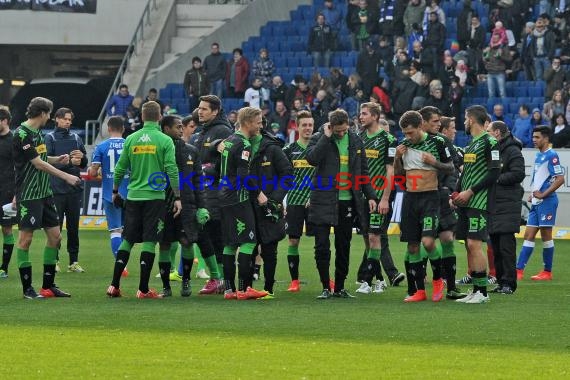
{"type": "Point", "coordinates": [170, 166]}
{"type": "Point", "coordinates": [122, 165]}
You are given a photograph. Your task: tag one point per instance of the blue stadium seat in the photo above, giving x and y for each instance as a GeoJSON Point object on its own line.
{"type": "Point", "coordinates": [273, 45]}
{"type": "Point", "coordinates": [307, 61]}
{"type": "Point", "coordinates": [535, 92]}
{"type": "Point", "coordinates": [293, 61]}
{"type": "Point", "coordinates": [336, 60]}
{"type": "Point", "coordinates": [178, 92]}
{"type": "Point", "coordinates": [266, 30]}
{"type": "Point", "coordinates": [164, 93]}
{"type": "Point", "coordinates": [280, 62]}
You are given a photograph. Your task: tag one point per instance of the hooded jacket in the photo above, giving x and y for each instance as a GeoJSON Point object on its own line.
{"type": "Point", "coordinates": [323, 154]}
{"type": "Point", "coordinates": [506, 194]}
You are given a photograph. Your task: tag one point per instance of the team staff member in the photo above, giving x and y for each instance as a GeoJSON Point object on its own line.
{"type": "Point", "coordinates": [336, 150]}
{"type": "Point", "coordinates": [183, 229]}
{"type": "Point", "coordinates": [238, 220]}
{"type": "Point", "coordinates": [421, 157]}
{"type": "Point", "coordinates": [273, 171]}
{"type": "Point", "coordinates": [215, 127]}
{"type": "Point", "coordinates": [68, 198]}
{"type": "Point", "coordinates": [481, 168]}
{"type": "Point", "coordinates": [36, 207]}
{"type": "Point", "coordinates": [105, 156]}
{"type": "Point", "coordinates": [298, 197]}
{"type": "Point", "coordinates": [7, 187]}
{"type": "Point", "coordinates": [146, 152]}
{"type": "Point", "coordinates": [504, 202]}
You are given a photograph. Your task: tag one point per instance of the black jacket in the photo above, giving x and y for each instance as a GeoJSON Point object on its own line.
{"type": "Point", "coordinates": [190, 168]}
{"type": "Point", "coordinates": [506, 194]}
{"type": "Point", "coordinates": [320, 38]}
{"type": "Point", "coordinates": [322, 153]}
{"type": "Point", "coordinates": [217, 130]}
{"type": "Point", "coordinates": [196, 82]}
{"type": "Point", "coordinates": [62, 141]}
{"type": "Point", "coordinates": [270, 165]}
{"type": "Point", "coordinates": [478, 40]}
{"type": "Point", "coordinates": [561, 139]}
{"type": "Point", "coordinates": [435, 36]}
{"type": "Point", "coordinates": [403, 94]}
{"type": "Point", "coordinates": [464, 23]}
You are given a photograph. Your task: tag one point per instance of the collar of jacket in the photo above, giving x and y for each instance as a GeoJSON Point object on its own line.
{"type": "Point", "coordinates": [151, 125]}
{"type": "Point", "coordinates": [62, 131]}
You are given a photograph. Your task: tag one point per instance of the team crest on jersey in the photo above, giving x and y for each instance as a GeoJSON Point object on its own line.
{"type": "Point", "coordinates": [376, 143]}
{"type": "Point", "coordinates": [245, 155]}
{"type": "Point", "coordinates": [144, 138]}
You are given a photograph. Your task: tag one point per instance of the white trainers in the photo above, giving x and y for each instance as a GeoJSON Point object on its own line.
{"type": "Point", "coordinates": [380, 286]}
{"type": "Point", "coordinates": [466, 298]}
{"type": "Point", "coordinates": [202, 274]}
{"type": "Point", "coordinates": [364, 288]}
{"type": "Point", "coordinates": [478, 297]}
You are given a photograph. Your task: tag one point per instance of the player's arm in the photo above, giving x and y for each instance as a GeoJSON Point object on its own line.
{"type": "Point", "coordinates": [445, 163]}
{"type": "Point", "coordinates": [558, 173]}
{"type": "Point", "coordinates": [398, 160]}
{"type": "Point", "coordinates": [171, 168]}
{"type": "Point", "coordinates": [493, 172]}
{"type": "Point", "coordinates": [95, 162]}
{"type": "Point", "coordinates": [50, 169]}
{"type": "Point", "coordinates": [121, 167]}
{"type": "Point", "coordinates": [367, 189]}
{"type": "Point", "coordinates": [389, 160]}
{"type": "Point", "coordinates": [93, 169]}
{"type": "Point", "coordinates": [241, 155]}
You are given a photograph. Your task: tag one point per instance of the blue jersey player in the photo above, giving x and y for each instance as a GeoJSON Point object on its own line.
{"type": "Point", "coordinates": [547, 177]}
{"type": "Point", "coordinates": [105, 156]}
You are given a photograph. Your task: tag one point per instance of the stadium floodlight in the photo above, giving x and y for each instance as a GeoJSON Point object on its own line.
{"type": "Point", "coordinates": [18, 83]}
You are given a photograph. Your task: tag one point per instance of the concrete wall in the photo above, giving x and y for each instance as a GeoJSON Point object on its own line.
{"type": "Point", "coordinates": [230, 36]}
{"type": "Point", "coordinates": [113, 24]}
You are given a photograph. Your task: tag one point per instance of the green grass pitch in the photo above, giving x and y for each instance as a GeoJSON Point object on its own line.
{"type": "Point", "coordinates": [293, 336]}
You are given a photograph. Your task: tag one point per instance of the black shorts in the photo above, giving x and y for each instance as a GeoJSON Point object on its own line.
{"type": "Point", "coordinates": [189, 224]}
{"type": "Point", "coordinates": [420, 215]}
{"type": "Point", "coordinates": [447, 216]}
{"type": "Point", "coordinates": [37, 213]}
{"type": "Point", "coordinates": [472, 224]}
{"type": "Point", "coordinates": [144, 221]}
{"type": "Point", "coordinates": [297, 216]}
{"type": "Point", "coordinates": [172, 228]}
{"type": "Point", "coordinates": [375, 224]}
{"type": "Point", "coordinates": [238, 224]}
